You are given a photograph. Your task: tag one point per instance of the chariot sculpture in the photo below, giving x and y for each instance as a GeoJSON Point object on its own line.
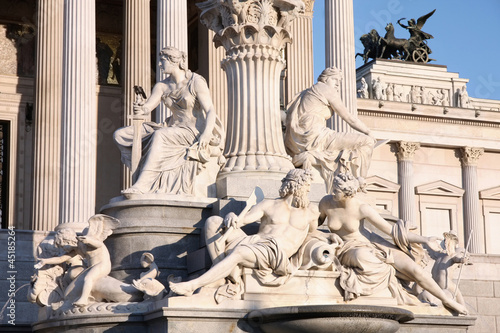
{"type": "Point", "coordinates": [413, 49]}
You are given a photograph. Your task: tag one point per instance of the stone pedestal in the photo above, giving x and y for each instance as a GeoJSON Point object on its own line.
{"type": "Point", "coordinates": [169, 227]}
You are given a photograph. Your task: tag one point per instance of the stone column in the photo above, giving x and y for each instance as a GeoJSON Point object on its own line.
{"type": "Point", "coordinates": [216, 79]}
{"type": "Point", "coordinates": [299, 55]}
{"type": "Point", "coordinates": [48, 95]}
{"type": "Point", "coordinates": [171, 30]}
{"type": "Point", "coordinates": [472, 212]}
{"type": "Point", "coordinates": [253, 35]}
{"type": "Point", "coordinates": [79, 118]}
{"type": "Point", "coordinates": [136, 59]}
{"type": "Point", "coordinates": [405, 153]}
{"type": "Point", "coordinates": [339, 48]}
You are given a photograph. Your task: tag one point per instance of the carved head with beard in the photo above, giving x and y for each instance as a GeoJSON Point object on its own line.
{"type": "Point", "coordinates": [297, 183]}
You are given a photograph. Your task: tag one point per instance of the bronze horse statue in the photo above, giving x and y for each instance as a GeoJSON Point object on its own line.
{"type": "Point", "coordinates": [392, 47]}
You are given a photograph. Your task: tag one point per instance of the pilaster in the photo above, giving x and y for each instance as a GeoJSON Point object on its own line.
{"type": "Point", "coordinates": [79, 117]}
{"type": "Point", "coordinates": [48, 112]}
{"type": "Point", "coordinates": [472, 214]}
{"type": "Point", "coordinates": [339, 48]}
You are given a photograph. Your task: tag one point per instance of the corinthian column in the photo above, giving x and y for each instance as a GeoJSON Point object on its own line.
{"type": "Point", "coordinates": [406, 152]}
{"type": "Point", "coordinates": [48, 94]}
{"type": "Point", "coordinates": [253, 33]}
{"type": "Point", "coordinates": [79, 118]}
{"type": "Point", "coordinates": [299, 54]}
{"type": "Point", "coordinates": [472, 216]}
{"type": "Point", "coordinates": [171, 30]}
{"type": "Point", "coordinates": [136, 59]}
{"type": "Point", "coordinates": [339, 48]}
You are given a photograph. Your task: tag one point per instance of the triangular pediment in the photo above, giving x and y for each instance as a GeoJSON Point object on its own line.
{"type": "Point", "coordinates": [379, 184]}
{"type": "Point", "coordinates": [491, 193]}
{"type": "Point", "coordinates": [440, 188]}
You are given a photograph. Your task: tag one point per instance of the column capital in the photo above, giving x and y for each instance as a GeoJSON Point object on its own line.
{"type": "Point", "coordinates": [470, 155]}
{"type": "Point", "coordinates": [406, 150]}
{"type": "Point", "coordinates": [250, 22]}
{"type": "Point", "coordinates": [309, 5]}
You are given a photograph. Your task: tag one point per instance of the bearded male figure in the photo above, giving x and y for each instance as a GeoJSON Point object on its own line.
{"type": "Point", "coordinates": [284, 225]}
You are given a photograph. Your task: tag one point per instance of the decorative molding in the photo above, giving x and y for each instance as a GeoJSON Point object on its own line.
{"type": "Point", "coordinates": [470, 155]}
{"type": "Point", "coordinates": [440, 188]}
{"type": "Point", "coordinates": [384, 114]}
{"type": "Point", "coordinates": [379, 184]}
{"type": "Point", "coordinates": [406, 150]}
{"type": "Point", "coordinates": [490, 194]}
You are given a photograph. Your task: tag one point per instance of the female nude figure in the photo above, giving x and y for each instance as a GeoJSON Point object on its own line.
{"type": "Point", "coordinates": [344, 212]}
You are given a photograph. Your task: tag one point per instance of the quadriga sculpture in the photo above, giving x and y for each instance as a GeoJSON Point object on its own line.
{"type": "Point", "coordinates": [176, 151]}
{"type": "Point", "coordinates": [312, 144]}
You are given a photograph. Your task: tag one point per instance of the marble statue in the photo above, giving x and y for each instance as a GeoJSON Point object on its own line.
{"type": "Point", "coordinates": [363, 89]}
{"type": "Point", "coordinates": [378, 89]}
{"type": "Point", "coordinates": [369, 266]}
{"type": "Point", "coordinates": [446, 262]}
{"type": "Point", "coordinates": [312, 144]}
{"type": "Point", "coordinates": [284, 226]}
{"type": "Point", "coordinates": [175, 151]}
{"type": "Point", "coordinates": [463, 98]}
{"type": "Point", "coordinates": [88, 265]}
{"type": "Point", "coordinates": [389, 91]}
{"type": "Point", "coordinates": [147, 282]}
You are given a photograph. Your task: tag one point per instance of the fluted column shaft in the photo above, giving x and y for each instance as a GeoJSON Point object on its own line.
{"type": "Point", "coordinates": [339, 48]}
{"type": "Point", "coordinates": [48, 95]}
{"type": "Point", "coordinates": [406, 152]}
{"type": "Point", "coordinates": [472, 212]}
{"type": "Point", "coordinates": [136, 59]}
{"type": "Point", "coordinates": [299, 55]}
{"type": "Point", "coordinates": [79, 118]}
{"type": "Point", "coordinates": [254, 35]}
{"type": "Point", "coordinates": [171, 30]}
{"type": "Point", "coordinates": [254, 139]}
{"type": "Point", "coordinates": [217, 80]}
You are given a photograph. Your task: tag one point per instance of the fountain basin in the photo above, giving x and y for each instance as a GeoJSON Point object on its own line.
{"type": "Point", "coordinates": [345, 318]}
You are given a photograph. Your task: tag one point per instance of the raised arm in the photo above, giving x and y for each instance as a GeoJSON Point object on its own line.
{"type": "Point", "coordinates": [54, 260]}
{"type": "Point", "coordinates": [153, 101]}
{"type": "Point", "coordinates": [339, 108]}
{"type": "Point", "coordinates": [369, 213]}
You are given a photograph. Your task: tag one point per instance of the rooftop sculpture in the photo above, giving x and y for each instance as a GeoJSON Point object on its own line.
{"type": "Point", "coordinates": [413, 49]}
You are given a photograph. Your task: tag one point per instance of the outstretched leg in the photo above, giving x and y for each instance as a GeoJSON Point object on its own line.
{"type": "Point", "coordinates": [412, 270]}
{"type": "Point", "coordinates": [242, 255]}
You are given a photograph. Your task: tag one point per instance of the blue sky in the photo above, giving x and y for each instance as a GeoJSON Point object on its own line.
{"type": "Point", "coordinates": [466, 35]}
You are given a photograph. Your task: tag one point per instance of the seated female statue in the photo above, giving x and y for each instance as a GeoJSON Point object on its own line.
{"type": "Point", "coordinates": [174, 152]}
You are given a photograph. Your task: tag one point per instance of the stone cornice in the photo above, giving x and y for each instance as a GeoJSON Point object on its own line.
{"type": "Point", "coordinates": [406, 150]}
{"type": "Point", "coordinates": [470, 155]}
{"type": "Point", "coordinates": [426, 118]}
